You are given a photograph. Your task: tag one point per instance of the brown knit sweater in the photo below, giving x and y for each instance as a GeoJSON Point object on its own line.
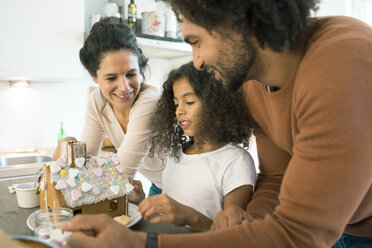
{"type": "Point", "coordinates": [314, 144]}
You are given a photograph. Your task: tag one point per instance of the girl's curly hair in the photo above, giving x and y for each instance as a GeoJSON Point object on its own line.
{"type": "Point", "coordinates": [223, 117]}
{"type": "Point", "coordinates": [271, 22]}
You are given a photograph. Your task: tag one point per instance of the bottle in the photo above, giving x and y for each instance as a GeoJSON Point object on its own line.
{"type": "Point", "coordinates": [61, 133]}
{"type": "Point", "coordinates": [132, 15]}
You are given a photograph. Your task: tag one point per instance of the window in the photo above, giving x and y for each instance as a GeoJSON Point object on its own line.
{"type": "Point", "coordinates": [362, 9]}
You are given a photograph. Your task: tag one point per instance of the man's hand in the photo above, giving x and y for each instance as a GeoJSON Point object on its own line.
{"type": "Point", "coordinates": [101, 231]}
{"type": "Point", "coordinates": [137, 195]}
{"type": "Point", "coordinates": [232, 215]}
{"type": "Point", "coordinates": [57, 151]}
{"type": "Point", "coordinates": [166, 209]}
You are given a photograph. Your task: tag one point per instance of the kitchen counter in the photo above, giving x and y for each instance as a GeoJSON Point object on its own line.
{"type": "Point", "coordinates": [13, 218]}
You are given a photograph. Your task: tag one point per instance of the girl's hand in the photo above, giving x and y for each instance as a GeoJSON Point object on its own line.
{"type": "Point", "coordinates": [57, 151]}
{"type": "Point", "coordinates": [137, 194]}
{"type": "Point", "coordinates": [232, 215]}
{"type": "Point", "coordinates": [162, 208]}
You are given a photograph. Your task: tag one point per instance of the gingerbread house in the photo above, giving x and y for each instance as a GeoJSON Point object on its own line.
{"type": "Point", "coordinates": [87, 185]}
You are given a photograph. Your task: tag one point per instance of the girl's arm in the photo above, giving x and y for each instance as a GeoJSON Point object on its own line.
{"type": "Point", "coordinates": [239, 197]}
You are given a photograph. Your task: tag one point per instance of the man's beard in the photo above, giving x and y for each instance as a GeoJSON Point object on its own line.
{"type": "Point", "coordinates": [233, 63]}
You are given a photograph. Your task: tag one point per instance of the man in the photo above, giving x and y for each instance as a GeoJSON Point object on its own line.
{"type": "Point", "coordinates": [307, 84]}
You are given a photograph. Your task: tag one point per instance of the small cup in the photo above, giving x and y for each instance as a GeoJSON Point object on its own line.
{"type": "Point", "coordinates": [26, 195]}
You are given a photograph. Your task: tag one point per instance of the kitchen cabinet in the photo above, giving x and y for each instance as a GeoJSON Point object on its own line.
{"type": "Point", "coordinates": [40, 39]}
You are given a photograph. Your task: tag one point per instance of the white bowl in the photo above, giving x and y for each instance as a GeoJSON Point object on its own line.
{"type": "Point", "coordinates": [26, 195]}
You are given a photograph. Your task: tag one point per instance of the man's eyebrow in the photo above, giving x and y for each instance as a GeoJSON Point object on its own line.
{"type": "Point", "coordinates": [187, 38]}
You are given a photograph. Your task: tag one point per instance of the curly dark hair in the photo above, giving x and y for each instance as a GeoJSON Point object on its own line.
{"type": "Point", "coordinates": [271, 22]}
{"type": "Point", "coordinates": [108, 36]}
{"type": "Point", "coordinates": [223, 117]}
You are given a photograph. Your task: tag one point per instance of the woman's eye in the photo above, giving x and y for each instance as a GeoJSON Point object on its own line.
{"type": "Point", "coordinates": [190, 103]}
{"type": "Point", "coordinates": [131, 75]}
{"type": "Point", "coordinates": [111, 79]}
{"type": "Point", "coordinates": [176, 105]}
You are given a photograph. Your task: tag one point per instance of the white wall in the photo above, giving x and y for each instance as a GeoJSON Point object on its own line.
{"type": "Point", "coordinates": [30, 116]}
{"type": "Point", "coordinates": [332, 7]}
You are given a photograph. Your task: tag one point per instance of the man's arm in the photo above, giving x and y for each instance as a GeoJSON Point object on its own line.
{"type": "Point", "coordinates": [272, 164]}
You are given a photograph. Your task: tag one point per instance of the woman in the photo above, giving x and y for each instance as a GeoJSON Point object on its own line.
{"type": "Point", "coordinates": [123, 105]}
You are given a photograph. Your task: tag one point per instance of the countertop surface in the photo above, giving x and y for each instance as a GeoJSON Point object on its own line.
{"type": "Point", "coordinates": [13, 218]}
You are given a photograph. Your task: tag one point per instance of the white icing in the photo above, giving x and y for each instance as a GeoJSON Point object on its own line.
{"type": "Point", "coordinates": [115, 189]}
{"type": "Point", "coordinates": [71, 182]}
{"type": "Point", "coordinates": [73, 172]}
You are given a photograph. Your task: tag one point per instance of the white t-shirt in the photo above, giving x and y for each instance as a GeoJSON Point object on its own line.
{"type": "Point", "coordinates": [132, 146]}
{"type": "Point", "coordinates": [202, 180]}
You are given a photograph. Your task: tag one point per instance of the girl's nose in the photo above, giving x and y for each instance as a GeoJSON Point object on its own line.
{"type": "Point", "coordinates": [179, 110]}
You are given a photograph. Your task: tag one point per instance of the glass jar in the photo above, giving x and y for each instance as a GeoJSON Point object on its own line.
{"type": "Point", "coordinates": [48, 225]}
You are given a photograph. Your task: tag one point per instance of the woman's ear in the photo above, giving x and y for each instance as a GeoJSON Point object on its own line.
{"type": "Point", "coordinates": [95, 80]}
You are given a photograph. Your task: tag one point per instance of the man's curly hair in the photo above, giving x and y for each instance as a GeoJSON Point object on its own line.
{"type": "Point", "coordinates": [271, 22]}
{"type": "Point", "coordinates": [223, 117]}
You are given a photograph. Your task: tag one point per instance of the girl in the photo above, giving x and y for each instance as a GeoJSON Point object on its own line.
{"type": "Point", "coordinates": [195, 125]}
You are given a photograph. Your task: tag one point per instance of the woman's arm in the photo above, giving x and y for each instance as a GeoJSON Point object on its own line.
{"type": "Point", "coordinates": [134, 147]}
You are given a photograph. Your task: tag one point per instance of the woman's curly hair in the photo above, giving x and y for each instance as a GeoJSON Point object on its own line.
{"type": "Point", "coordinates": [272, 22]}
{"type": "Point", "coordinates": [223, 117]}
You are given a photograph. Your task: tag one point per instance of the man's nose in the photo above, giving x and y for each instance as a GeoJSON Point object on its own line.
{"type": "Point", "coordinates": [198, 61]}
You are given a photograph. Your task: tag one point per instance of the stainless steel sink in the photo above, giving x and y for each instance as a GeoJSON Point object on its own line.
{"type": "Point", "coordinates": [21, 165]}
{"type": "Point", "coordinates": [24, 160]}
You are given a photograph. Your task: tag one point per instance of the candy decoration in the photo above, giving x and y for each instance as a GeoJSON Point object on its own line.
{"type": "Point", "coordinates": [96, 190]}
{"type": "Point", "coordinates": [79, 162]}
{"type": "Point", "coordinates": [100, 161]}
{"type": "Point", "coordinates": [86, 187]}
{"type": "Point", "coordinates": [63, 172]}
{"type": "Point", "coordinates": [55, 168]}
{"type": "Point", "coordinates": [60, 184]}
{"type": "Point", "coordinates": [75, 194]}
{"type": "Point", "coordinates": [115, 189]}
{"type": "Point", "coordinates": [97, 171]}
{"type": "Point", "coordinates": [71, 182]}
{"type": "Point", "coordinates": [61, 162]}
{"type": "Point", "coordinates": [73, 172]}
{"type": "Point", "coordinates": [129, 187]}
